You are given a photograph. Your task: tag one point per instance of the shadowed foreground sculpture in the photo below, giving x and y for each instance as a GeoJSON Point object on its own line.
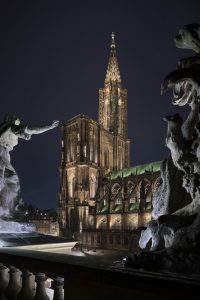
{"type": "Point", "coordinates": [10, 131]}
{"type": "Point", "coordinates": [175, 233]}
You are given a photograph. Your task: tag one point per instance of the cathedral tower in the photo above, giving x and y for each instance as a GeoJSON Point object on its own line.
{"type": "Point", "coordinates": [90, 151]}
{"type": "Point", "coordinates": [113, 110]}
{"type": "Point", "coordinates": [113, 98]}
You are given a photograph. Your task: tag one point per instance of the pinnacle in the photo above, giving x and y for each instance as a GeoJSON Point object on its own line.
{"type": "Point", "coordinates": [113, 40]}
{"type": "Point", "coordinates": [113, 73]}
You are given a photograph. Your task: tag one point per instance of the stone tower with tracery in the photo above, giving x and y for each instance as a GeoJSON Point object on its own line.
{"type": "Point", "coordinates": [91, 150]}
{"type": "Point", "coordinates": [113, 111]}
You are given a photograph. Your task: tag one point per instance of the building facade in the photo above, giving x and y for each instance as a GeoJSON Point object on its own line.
{"type": "Point", "coordinates": [90, 199]}
{"type": "Point", "coordinates": [45, 225]}
{"type": "Point", "coordinates": [123, 208]}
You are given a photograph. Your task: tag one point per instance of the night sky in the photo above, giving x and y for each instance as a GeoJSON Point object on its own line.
{"type": "Point", "coordinates": [53, 61]}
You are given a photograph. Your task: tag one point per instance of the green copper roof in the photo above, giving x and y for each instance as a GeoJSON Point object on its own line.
{"type": "Point", "coordinates": [148, 206]}
{"type": "Point", "coordinates": [134, 206]}
{"type": "Point", "coordinates": [137, 170]}
{"type": "Point", "coordinates": [104, 209]}
{"type": "Point", "coordinates": [117, 208]}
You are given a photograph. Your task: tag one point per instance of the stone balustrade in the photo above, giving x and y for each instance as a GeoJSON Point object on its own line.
{"type": "Point", "coordinates": [27, 274]}
{"type": "Point", "coordinates": [18, 284]}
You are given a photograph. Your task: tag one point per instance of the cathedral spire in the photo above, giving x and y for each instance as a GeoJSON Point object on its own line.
{"type": "Point", "coordinates": [113, 98]}
{"type": "Point", "coordinates": [113, 73]}
{"type": "Point", "coordinates": [113, 41]}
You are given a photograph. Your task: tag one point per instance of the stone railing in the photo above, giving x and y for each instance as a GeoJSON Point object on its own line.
{"type": "Point", "coordinates": [84, 278]}
{"type": "Point", "coordinates": [24, 285]}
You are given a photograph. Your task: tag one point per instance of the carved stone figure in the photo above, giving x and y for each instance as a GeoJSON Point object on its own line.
{"type": "Point", "coordinates": [10, 131]}
{"type": "Point", "coordinates": [170, 195]}
{"type": "Point", "coordinates": [185, 80]}
{"type": "Point", "coordinates": [175, 234]}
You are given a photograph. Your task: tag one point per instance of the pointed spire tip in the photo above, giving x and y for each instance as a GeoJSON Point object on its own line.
{"type": "Point", "coordinates": [113, 40]}
{"type": "Point", "coordinates": [113, 73]}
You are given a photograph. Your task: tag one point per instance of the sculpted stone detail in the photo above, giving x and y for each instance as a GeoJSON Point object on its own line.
{"type": "Point", "coordinates": [170, 195]}
{"type": "Point", "coordinates": [185, 80]}
{"type": "Point", "coordinates": [183, 136]}
{"type": "Point", "coordinates": [10, 131]}
{"type": "Point", "coordinates": [176, 230]}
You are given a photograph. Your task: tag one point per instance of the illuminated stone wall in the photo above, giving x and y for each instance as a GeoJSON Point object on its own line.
{"type": "Point", "coordinates": [123, 208]}
{"type": "Point", "coordinates": [45, 225]}
{"type": "Point", "coordinates": [91, 150]}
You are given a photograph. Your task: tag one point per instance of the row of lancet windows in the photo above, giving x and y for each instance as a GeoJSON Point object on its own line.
{"type": "Point", "coordinates": [74, 149]}
{"type": "Point", "coordinates": [107, 158]}
{"type": "Point", "coordinates": [92, 186]}
{"type": "Point", "coordinates": [142, 192]}
{"type": "Point", "coordinates": [107, 110]}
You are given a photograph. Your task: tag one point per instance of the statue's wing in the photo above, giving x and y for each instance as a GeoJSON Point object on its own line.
{"type": "Point", "coordinates": [191, 75]}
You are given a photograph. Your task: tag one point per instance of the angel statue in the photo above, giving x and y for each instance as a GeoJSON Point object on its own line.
{"type": "Point", "coordinates": [10, 131]}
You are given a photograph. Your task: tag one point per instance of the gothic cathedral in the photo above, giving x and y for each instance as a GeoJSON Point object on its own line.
{"type": "Point", "coordinates": [92, 150]}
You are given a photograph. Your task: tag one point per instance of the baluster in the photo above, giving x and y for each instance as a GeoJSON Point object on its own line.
{"type": "Point", "coordinates": [28, 287]}
{"type": "Point", "coordinates": [14, 285]}
{"type": "Point", "coordinates": [4, 279]}
{"type": "Point", "coordinates": [58, 288]}
{"type": "Point", "coordinates": [41, 294]}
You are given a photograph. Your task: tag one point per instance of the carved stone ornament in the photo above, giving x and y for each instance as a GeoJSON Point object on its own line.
{"type": "Point", "coordinates": [175, 231]}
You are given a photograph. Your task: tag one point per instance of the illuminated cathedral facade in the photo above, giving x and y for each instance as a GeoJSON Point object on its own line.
{"type": "Point", "coordinates": [94, 204]}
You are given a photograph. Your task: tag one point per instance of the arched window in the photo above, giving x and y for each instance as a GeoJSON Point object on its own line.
{"type": "Point", "coordinates": [144, 194]}
{"type": "Point", "coordinates": [106, 158]}
{"type": "Point", "coordinates": [106, 113]}
{"type": "Point", "coordinates": [116, 188]}
{"type": "Point", "coordinates": [91, 142]}
{"type": "Point", "coordinates": [118, 201]}
{"type": "Point", "coordinates": [73, 221]}
{"type": "Point", "coordinates": [85, 151]}
{"type": "Point", "coordinates": [68, 143]}
{"type": "Point", "coordinates": [71, 186]}
{"type": "Point", "coordinates": [78, 148]}
{"type": "Point", "coordinates": [120, 114]}
{"type": "Point", "coordinates": [93, 184]}
{"type": "Point", "coordinates": [120, 158]}
{"type": "Point", "coordinates": [130, 186]}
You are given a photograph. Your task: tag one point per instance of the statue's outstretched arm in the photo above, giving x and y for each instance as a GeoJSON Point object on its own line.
{"type": "Point", "coordinates": [40, 129]}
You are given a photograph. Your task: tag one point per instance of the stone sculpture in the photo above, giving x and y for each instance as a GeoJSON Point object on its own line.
{"type": "Point", "coordinates": [183, 137]}
{"type": "Point", "coordinates": [175, 232]}
{"type": "Point", "coordinates": [10, 131]}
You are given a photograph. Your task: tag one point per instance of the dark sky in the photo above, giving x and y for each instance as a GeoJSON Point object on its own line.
{"type": "Point", "coordinates": [53, 60]}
